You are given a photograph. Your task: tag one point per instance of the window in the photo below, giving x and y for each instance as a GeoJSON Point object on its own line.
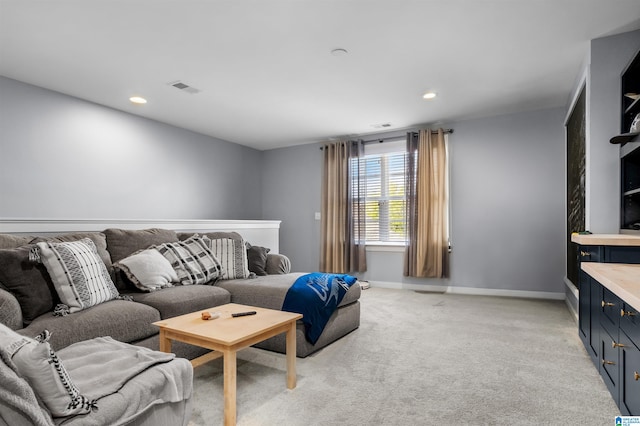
{"type": "Point", "coordinates": [382, 171]}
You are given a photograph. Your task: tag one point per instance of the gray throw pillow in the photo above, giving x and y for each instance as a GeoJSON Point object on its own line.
{"type": "Point", "coordinates": [28, 282]}
{"type": "Point", "coordinates": [257, 259]}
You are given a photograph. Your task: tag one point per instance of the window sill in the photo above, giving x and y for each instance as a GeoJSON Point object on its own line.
{"type": "Point", "coordinates": [387, 247]}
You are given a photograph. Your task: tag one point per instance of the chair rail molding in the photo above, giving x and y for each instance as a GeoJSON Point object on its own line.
{"type": "Point", "coordinates": [256, 232]}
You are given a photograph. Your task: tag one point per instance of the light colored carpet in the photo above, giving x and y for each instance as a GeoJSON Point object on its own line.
{"type": "Point", "coordinates": [425, 359]}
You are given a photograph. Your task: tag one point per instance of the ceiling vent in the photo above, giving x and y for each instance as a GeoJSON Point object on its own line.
{"type": "Point", "coordinates": [184, 87]}
{"type": "Point", "coordinates": [381, 126]}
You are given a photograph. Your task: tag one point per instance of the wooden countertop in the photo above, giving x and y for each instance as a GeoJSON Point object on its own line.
{"type": "Point", "coordinates": [606, 239]}
{"type": "Point", "coordinates": [622, 279]}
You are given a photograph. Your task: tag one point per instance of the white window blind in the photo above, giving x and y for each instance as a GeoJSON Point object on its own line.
{"type": "Point", "coordinates": [382, 171]}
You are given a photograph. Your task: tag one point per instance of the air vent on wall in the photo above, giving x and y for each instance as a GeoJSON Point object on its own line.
{"type": "Point", "coordinates": [184, 87]}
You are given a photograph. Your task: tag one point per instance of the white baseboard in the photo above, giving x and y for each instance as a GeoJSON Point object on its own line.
{"type": "Point", "coordinates": [470, 290]}
{"type": "Point", "coordinates": [572, 311]}
{"type": "Point", "coordinates": [576, 293]}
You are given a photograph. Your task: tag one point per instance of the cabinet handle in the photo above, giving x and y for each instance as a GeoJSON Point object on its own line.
{"type": "Point", "coordinates": [627, 313]}
{"type": "Point", "coordinates": [617, 345]}
{"type": "Point", "coordinates": [584, 253]}
{"type": "Point", "coordinates": [636, 375]}
{"type": "Point", "coordinates": [607, 304]}
{"type": "Point", "coordinates": [605, 362]}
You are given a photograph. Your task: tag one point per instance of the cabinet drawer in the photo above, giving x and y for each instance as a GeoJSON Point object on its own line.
{"type": "Point", "coordinates": [621, 254]}
{"type": "Point", "coordinates": [630, 323]}
{"type": "Point", "coordinates": [610, 306]}
{"type": "Point", "coordinates": [590, 254]}
{"type": "Point", "coordinates": [629, 377]}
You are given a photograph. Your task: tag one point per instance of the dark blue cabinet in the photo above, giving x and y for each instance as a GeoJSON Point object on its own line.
{"type": "Point", "coordinates": [629, 400]}
{"type": "Point", "coordinates": [610, 328]}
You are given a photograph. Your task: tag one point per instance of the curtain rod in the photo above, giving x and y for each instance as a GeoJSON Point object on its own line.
{"type": "Point", "coordinates": [381, 140]}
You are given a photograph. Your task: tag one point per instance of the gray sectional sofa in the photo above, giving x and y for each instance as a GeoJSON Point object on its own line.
{"type": "Point", "coordinates": [27, 297]}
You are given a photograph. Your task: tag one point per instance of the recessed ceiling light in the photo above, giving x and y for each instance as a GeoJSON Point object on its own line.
{"type": "Point", "coordinates": [339, 52]}
{"type": "Point", "coordinates": [429, 95]}
{"type": "Point", "coordinates": [138, 100]}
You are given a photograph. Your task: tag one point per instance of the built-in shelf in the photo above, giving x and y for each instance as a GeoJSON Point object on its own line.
{"type": "Point", "coordinates": [632, 192]}
{"type": "Point", "coordinates": [634, 107]}
{"type": "Point", "coordinates": [629, 148]}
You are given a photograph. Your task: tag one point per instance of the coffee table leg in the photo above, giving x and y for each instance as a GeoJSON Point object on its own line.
{"type": "Point", "coordinates": [165, 344]}
{"type": "Point", "coordinates": [230, 387]}
{"type": "Point", "coordinates": [291, 356]}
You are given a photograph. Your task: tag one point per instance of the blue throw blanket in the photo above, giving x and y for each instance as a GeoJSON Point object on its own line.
{"type": "Point", "coordinates": [316, 296]}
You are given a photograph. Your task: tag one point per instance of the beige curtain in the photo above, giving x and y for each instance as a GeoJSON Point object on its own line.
{"type": "Point", "coordinates": [343, 229]}
{"type": "Point", "coordinates": [427, 205]}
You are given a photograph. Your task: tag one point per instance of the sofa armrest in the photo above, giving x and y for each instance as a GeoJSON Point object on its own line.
{"type": "Point", "coordinates": [10, 312]}
{"type": "Point", "coordinates": [277, 264]}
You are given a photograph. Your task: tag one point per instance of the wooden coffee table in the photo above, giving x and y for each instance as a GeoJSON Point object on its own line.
{"type": "Point", "coordinates": [227, 335]}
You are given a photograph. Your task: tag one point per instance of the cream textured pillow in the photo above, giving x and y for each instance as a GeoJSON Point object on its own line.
{"type": "Point", "coordinates": [232, 255]}
{"type": "Point", "coordinates": [192, 260]}
{"type": "Point", "coordinates": [79, 275]}
{"type": "Point", "coordinates": [38, 364]}
{"type": "Point", "coordinates": [148, 270]}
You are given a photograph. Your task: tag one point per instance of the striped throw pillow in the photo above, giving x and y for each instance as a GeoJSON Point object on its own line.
{"type": "Point", "coordinates": [192, 260]}
{"type": "Point", "coordinates": [79, 275]}
{"type": "Point", "coordinates": [232, 254]}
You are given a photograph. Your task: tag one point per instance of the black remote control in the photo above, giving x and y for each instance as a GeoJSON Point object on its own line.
{"type": "Point", "coordinates": [243, 314]}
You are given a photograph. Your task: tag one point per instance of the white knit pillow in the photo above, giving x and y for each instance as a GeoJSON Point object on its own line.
{"type": "Point", "coordinates": [232, 255]}
{"type": "Point", "coordinates": [79, 275]}
{"type": "Point", "coordinates": [148, 270]}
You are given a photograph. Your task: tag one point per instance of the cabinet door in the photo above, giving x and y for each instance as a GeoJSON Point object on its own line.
{"type": "Point", "coordinates": [630, 323]}
{"type": "Point", "coordinates": [610, 306]}
{"type": "Point", "coordinates": [593, 346]}
{"type": "Point", "coordinates": [609, 363]}
{"type": "Point", "coordinates": [629, 377]}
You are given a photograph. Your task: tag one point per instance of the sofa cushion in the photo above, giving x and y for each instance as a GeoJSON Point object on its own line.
{"type": "Point", "coordinates": [35, 361]}
{"type": "Point", "coordinates": [192, 259]}
{"type": "Point", "coordinates": [8, 241]}
{"type": "Point", "coordinates": [147, 270]}
{"type": "Point", "coordinates": [257, 259]}
{"type": "Point", "coordinates": [270, 291]}
{"type": "Point", "coordinates": [123, 320]}
{"type": "Point", "coordinates": [232, 255]}
{"type": "Point", "coordinates": [179, 300]}
{"type": "Point", "coordinates": [79, 275]}
{"type": "Point", "coordinates": [123, 242]}
{"type": "Point", "coordinates": [28, 282]}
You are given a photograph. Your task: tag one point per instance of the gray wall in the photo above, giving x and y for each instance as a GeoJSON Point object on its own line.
{"type": "Point", "coordinates": [61, 158]}
{"type": "Point", "coordinates": [609, 56]}
{"type": "Point", "coordinates": [507, 189]}
{"type": "Point", "coordinates": [291, 193]}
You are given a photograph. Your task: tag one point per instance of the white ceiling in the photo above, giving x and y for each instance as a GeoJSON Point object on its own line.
{"type": "Point", "coordinates": [266, 73]}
